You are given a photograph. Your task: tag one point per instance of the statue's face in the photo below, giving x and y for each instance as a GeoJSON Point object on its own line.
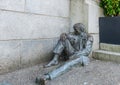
{"type": "Point", "coordinates": [77, 30]}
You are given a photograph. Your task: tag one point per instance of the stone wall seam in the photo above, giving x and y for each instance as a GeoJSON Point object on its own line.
{"type": "Point", "coordinates": [30, 39]}
{"type": "Point", "coordinates": [33, 13]}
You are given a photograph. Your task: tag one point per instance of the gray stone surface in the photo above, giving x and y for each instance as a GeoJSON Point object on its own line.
{"type": "Point", "coordinates": [106, 55]}
{"type": "Point", "coordinates": [36, 51]}
{"type": "Point", "coordinates": [29, 26]}
{"type": "Point", "coordinates": [15, 5]}
{"type": "Point", "coordinates": [61, 7]}
{"type": "Point", "coordinates": [92, 14]}
{"type": "Point", "coordinates": [48, 7]}
{"type": "Point", "coordinates": [93, 18]}
{"type": "Point", "coordinates": [96, 41]}
{"type": "Point", "coordinates": [5, 83]}
{"type": "Point", "coordinates": [76, 12]}
{"type": "Point", "coordinates": [17, 54]}
{"type": "Point", "coordinates": [9, 55]}
{"type": "Point", "coordinates": [110, 47]}
{"type": "Point", "coordinates": [96, 73]}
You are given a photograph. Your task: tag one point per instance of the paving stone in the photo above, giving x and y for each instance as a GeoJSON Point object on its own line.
{"type": "Point", "coordinates": [5, 83]}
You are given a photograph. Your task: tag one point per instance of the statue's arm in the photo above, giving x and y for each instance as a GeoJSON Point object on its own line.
{"type": "Point", "coordinates": [65, 36]}
{"type": "Point", "coordinates": [88, 47]}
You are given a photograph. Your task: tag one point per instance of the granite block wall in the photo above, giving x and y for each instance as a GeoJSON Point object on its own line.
{"type": "Point", "coordinates": [29, 30]}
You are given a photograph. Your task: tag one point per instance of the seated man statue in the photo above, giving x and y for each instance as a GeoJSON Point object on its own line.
{"type": "Point", "coordinates": [74, 47]}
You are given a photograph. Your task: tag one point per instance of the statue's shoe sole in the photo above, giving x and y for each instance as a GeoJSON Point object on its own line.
{"type": "Point", "coordinates": [40, 81]}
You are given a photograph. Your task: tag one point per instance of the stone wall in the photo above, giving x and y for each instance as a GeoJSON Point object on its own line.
{"type": "Point", "coordinates": [29, 30]}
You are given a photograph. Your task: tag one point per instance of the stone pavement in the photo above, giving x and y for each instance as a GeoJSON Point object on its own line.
{"type": "Point", "coordinates": [96, 73]}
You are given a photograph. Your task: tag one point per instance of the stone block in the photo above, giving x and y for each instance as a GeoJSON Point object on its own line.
{"type": "Point", "coordinates": [36, 51]}
{"type": "Point", "coordinates": [110, 47]}
{"type": "Point", "coordinates": [92, 12]}
{"type": "Point", "coordinates": [93, 18]}
{"type": "Point", "coordinates": [15, 5]}
{"type": "Point", "coordinates": [96, 41]}
{"type": "Point", "coordinates": [48, 7]}
{"type": "Point", "coordinates": [9, 55]}
{"type": "Point", "coordinates": [29, 26]}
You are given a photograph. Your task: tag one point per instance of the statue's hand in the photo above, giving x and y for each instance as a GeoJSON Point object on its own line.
{"type": "Point", "coordinates": [63, 36]}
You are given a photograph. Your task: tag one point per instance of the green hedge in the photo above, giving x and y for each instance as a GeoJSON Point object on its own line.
{"type": "Point", "coordinates": [110, 7]}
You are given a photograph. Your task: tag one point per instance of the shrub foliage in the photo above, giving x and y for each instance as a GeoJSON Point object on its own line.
{"type": "Point", "coordinates": [110, 7]}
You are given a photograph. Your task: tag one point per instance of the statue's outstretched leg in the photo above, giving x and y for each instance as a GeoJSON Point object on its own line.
{"type": "Point", "coordinates": [83, 60]}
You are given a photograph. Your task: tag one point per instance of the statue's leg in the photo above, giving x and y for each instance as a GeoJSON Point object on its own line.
{"type": "Point", "coordinates": [57, 51]}
{"type": "Point", "coordinates": [64, 45]}
{"type": "Point", "coordinates": [61, 45]}
{"type": "Point", "coordinates": [83, 60]}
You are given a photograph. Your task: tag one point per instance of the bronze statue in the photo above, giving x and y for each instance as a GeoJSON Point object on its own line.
{"type": "Point", "coordinates": [74, 47]}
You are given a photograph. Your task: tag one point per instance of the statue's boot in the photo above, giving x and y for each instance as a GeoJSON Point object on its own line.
{"type": "Point", "coordinates": [40, 81]}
